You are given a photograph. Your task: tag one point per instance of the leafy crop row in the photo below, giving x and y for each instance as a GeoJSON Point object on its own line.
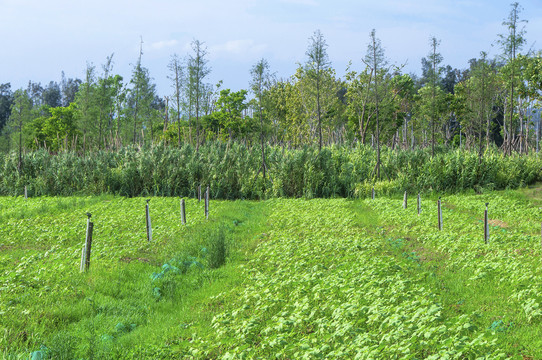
{"type": "Point", "coordinates": [325, 285]}
{"type": "Point", "coordinates": [499, 282]}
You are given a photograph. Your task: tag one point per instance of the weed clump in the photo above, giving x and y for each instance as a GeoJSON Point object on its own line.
{"type": "Point", "coordinates": [217, 248]}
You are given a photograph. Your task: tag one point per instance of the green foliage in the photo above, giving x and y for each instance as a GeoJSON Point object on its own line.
{"type": "Point", "coordinates": [367, 279]}
{"type": "Point", "coordinates": [230, 170]}
{"type": "Point", "coordinates": [55, 132]}
{"type": "Point", "coordinates": [216, 249]}
{"type": "Point", "coordinates": [21, 114]}
{"type": "Point", "coordinates": [6, 100]}
{"type": "Point", "coordinates": [62, 346]}
{"type": "Point", "coordinates": [140, 99]}
{"type": "Point", "coordinates": [52, 311]}
{"type": "Point", "coordinates": [228, 119]}
{"type": "Point", "coordinates": [491, 100]}
{"type": "Point", "coordinates": [333, 289]}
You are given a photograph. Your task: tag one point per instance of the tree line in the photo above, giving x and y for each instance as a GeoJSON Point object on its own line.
{"type": "Point", "coordinates": [492, 102]}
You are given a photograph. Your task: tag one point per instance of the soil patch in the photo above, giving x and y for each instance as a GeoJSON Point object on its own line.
{"type": "Point", "coordinates": [497, 222]}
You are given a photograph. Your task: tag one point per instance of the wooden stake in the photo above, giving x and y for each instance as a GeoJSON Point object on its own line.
{"type": "Point", "coordinates": [207, 203]}
{"type": "Point", "coordinates": [373, 193]}
{"type": "Point", "coordinates": [199, 193]}
{"type": "Point", "coordinates": [85, 253]}
{"type": "Point", "coordinates": [419, 204]}
{"type": "Point", "coordinates": [405, 201]}
{"type": "Point", "coordinates": [25, 193]}
{"type": "Point", "coordinates": [486, 226]}
{"type": "Point", "coordinates": [439, 210]}
{"type": "Point", "coordinates": [88, 245]}
{"type": "Point", "coordinates": [183, 212]}
{"type": "Point", "coordinates": [148, 221]}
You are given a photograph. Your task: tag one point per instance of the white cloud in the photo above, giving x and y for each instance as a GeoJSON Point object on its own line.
{"type": "Point", "coordinates": [235, 48]}
{"type": "Point", "coordinates": [159, 45]}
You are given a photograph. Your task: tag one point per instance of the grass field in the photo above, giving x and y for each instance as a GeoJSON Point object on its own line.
{"type": "Point", "coordinates": [321, 278]}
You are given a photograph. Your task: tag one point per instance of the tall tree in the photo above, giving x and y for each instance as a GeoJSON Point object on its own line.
{"type": "Point", "coordinates": [119, 102]}
{"type": "Point", "coordinates": [316, 66]}
{"type": "Point", "coordinates": [198, 69]}
{"type": "Point", "coordinates": [136, 81]}
{"type": "Point", "coordinates": [479, 94]}
{"type": "Point", "coordinates": [35, 92]}
{"type": "Point", "coordinates": [376, 61]}
{"type": "Point", "coordinates": [435, 58]}
{"type": "Point", "coordinates": [230, 107]}
{"type": "Point", "coordinates": [20, 115]}
{"type": "Point", "coordinates": [177, 78]}
{"type": "Point", "coordinates": [511, 43]}
{"type": "Point", "coordinates": [403, 88]}
{"type": "Point", "coordinates": [51, 95]}
{"type": "Point", "coordinates": [261, 81]}
{"type": "Point", "coordinates": [533, 79]}
{"type": "Point", "coordinates": [6, 99]}
{"type": "Point", "coordinates": [141, 98]}
{"type": "Point", "coordinates": [68, 88]}
{"type": "Point", "coordinates": [56, 131]}
{"type": "Point", "coordinates": [358, 93]}
{"type": "Point", "coordinates": [85, 105]}
{"type": "Point", "coordinates": [104, 99]}
{"type": "Point", "coordinates": [450, 78]}
{"type": "Point", "coordinates": [283, 107]}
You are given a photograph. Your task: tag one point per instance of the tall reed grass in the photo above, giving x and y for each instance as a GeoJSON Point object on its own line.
{"type": "Point", "coordinates": [232, 172]}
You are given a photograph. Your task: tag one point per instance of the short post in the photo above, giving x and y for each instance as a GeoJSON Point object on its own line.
{"type": "Point", "coordinates": [439, 210]}
{"type": "Point", "coordinates": [405, 201]}
{"type": "Point", "coordinates": [199, 193]}
{"type": "Point", "coordinates": [148, 221]}
{"type": "Point", "coordinates": [207, 203]}
{"type": "Point", "coordinates": [419, 204]}
{"type": "Point", "coordinates": [85, 253]}
{"type": "Point", "coordinates": [486, 226]}
{"type": "Point", "coordinates": [25, 193]}
{"type": "Point", "coordinates": [183, 212]}
{"type": "Point", "coordinates": [373, 193]}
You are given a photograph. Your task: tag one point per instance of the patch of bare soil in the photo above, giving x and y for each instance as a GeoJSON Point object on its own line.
{"type": "Point", "coordinates": [499, 223]}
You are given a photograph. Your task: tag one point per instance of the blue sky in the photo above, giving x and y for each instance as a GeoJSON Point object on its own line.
{"type": "Point", "coordinates": [42, 38]}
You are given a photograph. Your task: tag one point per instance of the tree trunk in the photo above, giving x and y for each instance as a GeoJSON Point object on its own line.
{"type": "Point", "coordinates": [20, 163]}
{"type": "Point", "coordinates": [318, 111]}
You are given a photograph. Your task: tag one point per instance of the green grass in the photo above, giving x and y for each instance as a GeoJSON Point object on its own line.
{"type": "Point", "coordinates": [115, 306]}
{"type": "Point", "coordinates": [284, 278]}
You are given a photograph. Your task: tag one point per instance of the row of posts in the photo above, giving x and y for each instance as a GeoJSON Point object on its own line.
{"type": "Point", "coordinates": [439, 213]}
{"type": "Point", "coordinates": [85, 252]}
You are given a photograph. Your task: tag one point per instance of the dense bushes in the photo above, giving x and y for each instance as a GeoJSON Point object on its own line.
{"type": "Point", "coordinates": [231, 172]}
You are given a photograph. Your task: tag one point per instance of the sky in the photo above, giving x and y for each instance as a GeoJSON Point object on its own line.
{"type": "Point", "coordinates": [40, 39]}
